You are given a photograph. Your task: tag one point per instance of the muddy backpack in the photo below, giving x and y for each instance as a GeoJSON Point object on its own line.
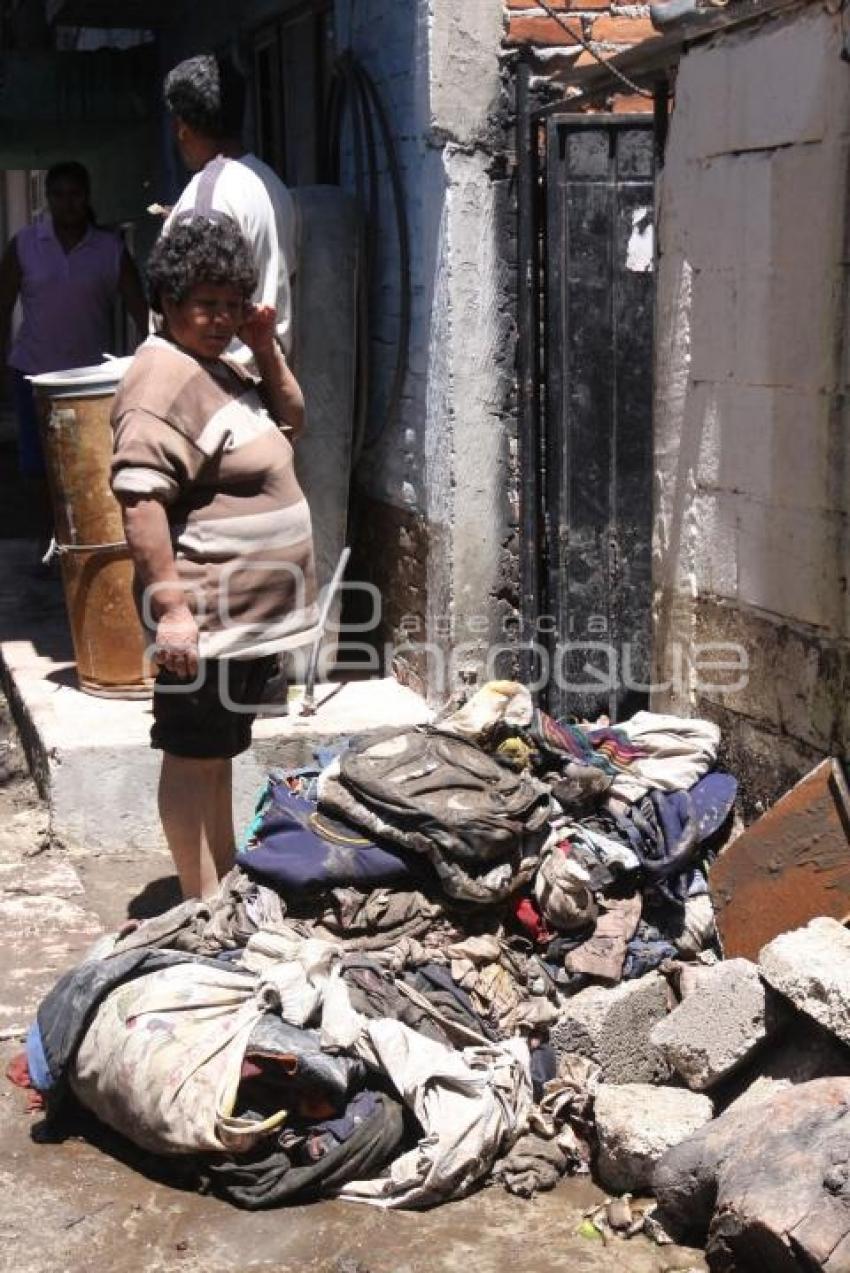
{"type": "Point", "coordinates": [481, 824]}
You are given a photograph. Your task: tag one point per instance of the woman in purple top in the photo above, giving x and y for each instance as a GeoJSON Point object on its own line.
{"type": "Point", "coordinates": [67, 273]}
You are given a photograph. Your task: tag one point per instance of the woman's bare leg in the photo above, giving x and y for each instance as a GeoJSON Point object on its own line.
{"type": "Point", "coordinates": [224, 844]}
{"type": "Point", "coordinates": [195, 807]}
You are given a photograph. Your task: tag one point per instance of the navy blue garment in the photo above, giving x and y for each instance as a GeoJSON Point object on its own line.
{"type": "Point", "coordinates": [646, 951]}
{"type": "Point", "coordinates": [709, 802]}
{"type": "Point", "coordinates": [667, 830]}
{"type": "Point", "coordinates": [296, 849]}
{"type": "Point", "coordinates": [330, 1132]}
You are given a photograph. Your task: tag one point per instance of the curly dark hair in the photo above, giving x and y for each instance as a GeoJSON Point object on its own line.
{"type": "Point", "coordinates": [199, 250]}
{"type": "Point", "coordinates": [208, 93]}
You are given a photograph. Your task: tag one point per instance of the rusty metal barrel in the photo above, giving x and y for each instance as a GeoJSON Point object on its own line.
{"type": "Point", "coordinates": [97, 572]}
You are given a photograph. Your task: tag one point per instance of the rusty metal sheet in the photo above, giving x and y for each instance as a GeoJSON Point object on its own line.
{"type": "Point", "coordinates": [790, 866]}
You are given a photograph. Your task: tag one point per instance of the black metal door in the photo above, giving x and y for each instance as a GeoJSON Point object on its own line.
{"type": "Point", "coordinates": [597, 411]}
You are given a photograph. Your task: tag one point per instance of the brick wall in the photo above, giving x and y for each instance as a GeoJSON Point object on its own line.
{"type": "Point", "coordinates": [609, 27]}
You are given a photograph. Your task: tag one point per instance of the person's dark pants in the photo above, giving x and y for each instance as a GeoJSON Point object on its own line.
{"type": "Point", "coordinates": [30, 453]}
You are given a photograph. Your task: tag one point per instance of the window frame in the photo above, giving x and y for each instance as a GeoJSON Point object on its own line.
{"type": "Point", "coordinates": [277, 97]}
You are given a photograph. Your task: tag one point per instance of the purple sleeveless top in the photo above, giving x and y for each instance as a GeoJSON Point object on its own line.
{"type": "Point", "coordinates": [66, 298]}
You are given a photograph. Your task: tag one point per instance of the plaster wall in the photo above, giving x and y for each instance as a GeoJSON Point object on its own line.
{"type": "Point", "coordinates": [751, 447]}
{"type": "Point", "coordinates": [480, 337]}
{"type": "Point", "coordinates": [443, 460]}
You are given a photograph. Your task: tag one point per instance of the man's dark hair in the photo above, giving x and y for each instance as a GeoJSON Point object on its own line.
{"type": "Point", "coordinates": [208, 94]}
{"type": "Point", "coordinates": [199, 250]}
{"type": "Point", "coordinates": [70, 170]}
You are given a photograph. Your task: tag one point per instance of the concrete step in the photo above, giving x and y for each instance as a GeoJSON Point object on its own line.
{"type": "Point", "coordinates": [91, 757]}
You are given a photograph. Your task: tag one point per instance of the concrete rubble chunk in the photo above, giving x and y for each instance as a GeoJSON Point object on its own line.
{"type": "Point", "coordinates": [790, 866]}
{"type": "Point", "coordinates": [767, 1184]}
{"type": "Point", "coordinates": [811, 967]}
{"type": "Point", "coordinates": [613, 1027]}
{"type": "Point", "coordinates": [761, 1089]}
{"type": "Point", "coordinates": [803, 1051]}
{"type": "Point", "coordinates": [719, 1025]}
{"type": "Point", "coordinates": [637, 1123]}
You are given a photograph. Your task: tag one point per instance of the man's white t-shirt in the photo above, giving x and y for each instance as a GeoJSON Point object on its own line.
{"type": "Point", "coordinates": [251, 192]}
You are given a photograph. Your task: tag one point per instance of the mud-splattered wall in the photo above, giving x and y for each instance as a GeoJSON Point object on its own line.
{"type": "Point", "coordinates": [432, 490]}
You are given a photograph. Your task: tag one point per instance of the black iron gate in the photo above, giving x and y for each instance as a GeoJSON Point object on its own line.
{"type": "Point", "coordinates": [586, 320]}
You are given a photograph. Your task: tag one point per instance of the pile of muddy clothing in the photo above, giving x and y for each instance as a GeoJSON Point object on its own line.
{"type": "Point", "coordinates": [379, 1002]}
{"type": "Point", "coordinates": [522, 854]}
{"type": "Point", "coordinates": [279, 1075]}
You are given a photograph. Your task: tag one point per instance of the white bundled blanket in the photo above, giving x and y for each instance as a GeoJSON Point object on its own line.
{"type": "Point", "coordinates": [472, 1105]}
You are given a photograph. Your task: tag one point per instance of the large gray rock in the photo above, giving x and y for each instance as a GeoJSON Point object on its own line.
{"type": "Point", "coordinates": [636, 1124]}
{"type": "Point", "coordinates": [719, 1025]}
{"type": "Point", "coordinates": [612, 1026]}
{"type": "Point", "coordinates": [767, 1184]}
{"type": "Point", "coordinates": [811, 967]}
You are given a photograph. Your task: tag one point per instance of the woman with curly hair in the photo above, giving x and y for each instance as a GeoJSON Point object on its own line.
{"type": "Point", "coordinates": [217, 525]}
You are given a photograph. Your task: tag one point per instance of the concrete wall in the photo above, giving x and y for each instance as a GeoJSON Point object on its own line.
{"type": "Point", "coordinates": [751, 431]}
{"type": "Point", "coordinates": [433, 487]}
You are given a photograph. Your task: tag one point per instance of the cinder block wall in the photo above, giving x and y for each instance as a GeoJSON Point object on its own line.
{"type": "Point", "coordinates": [751, 430]}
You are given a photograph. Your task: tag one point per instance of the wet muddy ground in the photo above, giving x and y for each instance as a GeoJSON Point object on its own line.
{"type": "Point", "coordinates": [76, 1205]}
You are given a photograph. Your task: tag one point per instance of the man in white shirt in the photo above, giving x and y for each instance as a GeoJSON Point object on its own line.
{"type": "Point", "coordinates": [205, 96]}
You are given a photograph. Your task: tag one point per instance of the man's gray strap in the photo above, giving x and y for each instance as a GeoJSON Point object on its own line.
{"type": "Point", "coordinates": [203, 206]}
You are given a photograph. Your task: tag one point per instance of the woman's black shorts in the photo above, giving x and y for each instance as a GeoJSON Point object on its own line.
{"type": "Point", "coordinates": [210, 717]}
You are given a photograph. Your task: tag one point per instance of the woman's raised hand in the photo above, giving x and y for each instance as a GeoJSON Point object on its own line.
{"type": "Point", "coordinates": [257, 329]}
